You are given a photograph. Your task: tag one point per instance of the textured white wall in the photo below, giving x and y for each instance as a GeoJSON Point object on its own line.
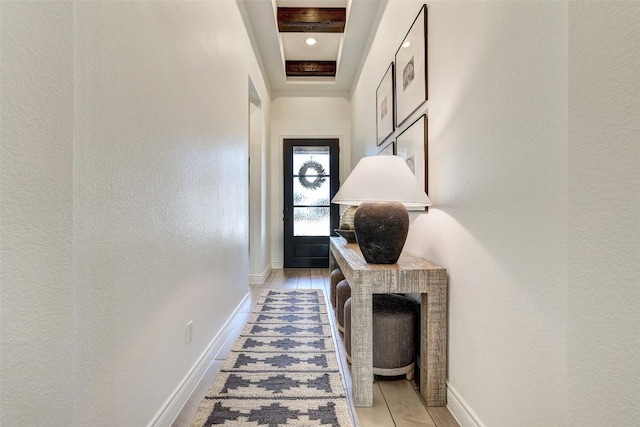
{"type": "Point", "coordinates": [604, 201]}
{"type": "Point", "coordinates": [36, 169]}
{"type": "Point", "coordinates": [156, 179]}
{"type": "Point", "coordinates": [498, 180]}
{"type": "Point", "coordinates": [303, 117]}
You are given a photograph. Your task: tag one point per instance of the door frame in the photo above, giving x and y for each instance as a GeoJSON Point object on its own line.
{"type": "Point", "coordinates": [287, 225]}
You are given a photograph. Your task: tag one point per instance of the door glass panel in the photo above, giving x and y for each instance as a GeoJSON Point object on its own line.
{"type": "Point", "coordinates": [311, 221]}
{"type": "Point", "coordinates": [312, 161]}
{"type": "Point", "coordinates": [311, 187]}
{"type": "Point", "coordinates": [311, 191]}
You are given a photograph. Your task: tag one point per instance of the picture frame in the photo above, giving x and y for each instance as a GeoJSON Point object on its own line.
{"type": "Point", "coordinates": [411, 76]}
{"type": "Point", "coordinates": [413, 146]}
{"type": "Point", "coordinates": [388, 150]}
{"type": "Point", "coordinates": [385, 110]}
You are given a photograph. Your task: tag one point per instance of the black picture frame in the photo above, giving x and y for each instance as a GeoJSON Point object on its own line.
{"type": "Point", "coordinates": [385, 106]}
{"type": "Point", "coordinates": [413, 146]}
{"type": "Point", "coordinates": [411, 75]}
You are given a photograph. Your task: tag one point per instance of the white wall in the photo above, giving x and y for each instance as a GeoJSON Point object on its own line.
{"type": "Point", "coordinates": [604, 201]}
{"type": "Point", "coordinates": [36, 190]}
{"type": "Point", "coordinates": [498, 180]}
{"type": "Point", "coordinates": [534, 158]}
{"type": "Point", "coordinates": [259, 153]}
{"type": "Point", "coordinates": [310, 118]}
{"type": "Point", "coordinates": [157, 167]}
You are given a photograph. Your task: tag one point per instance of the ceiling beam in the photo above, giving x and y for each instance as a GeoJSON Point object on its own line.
{"type": "Point", "coordinates": [312, 19]}
{"type": "Point", "coordinates": [310, 68]}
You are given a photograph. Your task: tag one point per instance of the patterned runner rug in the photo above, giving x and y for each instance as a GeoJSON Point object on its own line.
{"type": "Point", "coordinates": [282, 370]}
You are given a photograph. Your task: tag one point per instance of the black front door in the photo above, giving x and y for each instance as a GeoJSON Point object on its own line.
{"type": "Point", "coordinates": [310, 182]}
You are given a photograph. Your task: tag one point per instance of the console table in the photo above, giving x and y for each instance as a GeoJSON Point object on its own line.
{"type": "Point", "coordinates": [410, 274]}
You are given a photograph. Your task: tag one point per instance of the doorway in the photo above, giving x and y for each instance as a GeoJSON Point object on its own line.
{"type": "Point", "coordinates": [258, 203]}
{"type": "Point", "coordinates": [311, 179]}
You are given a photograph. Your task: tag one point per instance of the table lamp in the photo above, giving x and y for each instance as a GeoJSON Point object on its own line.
{"type": "Point", "coordinates": [382, 187]}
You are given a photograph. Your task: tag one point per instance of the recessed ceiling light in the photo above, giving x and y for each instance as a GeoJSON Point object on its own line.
{"type": "Point", "coordinates": [406, 44]}
{"type": "Point", "coordinates": [311, 41]}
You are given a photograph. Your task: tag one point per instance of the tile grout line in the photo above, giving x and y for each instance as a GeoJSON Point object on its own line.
{"type": "Point", "coordinates": [384, 398]}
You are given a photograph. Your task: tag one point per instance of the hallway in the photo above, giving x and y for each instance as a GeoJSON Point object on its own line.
{"type": "Point", "coordinates": [131, 189]}
{"type": "Point", "coordinates": [396, 402]}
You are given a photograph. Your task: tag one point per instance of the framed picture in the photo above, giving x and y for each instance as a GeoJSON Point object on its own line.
{"type": "Point", "coordinates": [412, 146]}
{"type": "Point", "coordinates": [384, 106]}
{"type": "Point", "coordinates": [388, 150]}
{"type": "Point", "coordinates": [411, 69]}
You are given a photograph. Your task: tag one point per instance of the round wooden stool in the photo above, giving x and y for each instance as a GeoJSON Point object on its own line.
{"type": "Point", "coordinates": [343, 293]}
{"type": "Point", "coordinates": [336, 277]}
{"type": "Point", "coordinates": [395, 323]}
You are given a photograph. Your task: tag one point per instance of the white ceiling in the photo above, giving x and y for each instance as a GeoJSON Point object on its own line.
{"type": "Point", "coordinates": [326, 49]}
{"type": "Point", "coordinates": [348, 49]}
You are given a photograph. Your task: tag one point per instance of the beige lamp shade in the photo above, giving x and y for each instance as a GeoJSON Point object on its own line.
{"type": "Point", "coordinates": [381, 179]}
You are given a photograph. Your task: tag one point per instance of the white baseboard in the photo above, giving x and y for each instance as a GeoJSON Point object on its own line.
{"type": "Point", "coordinates": [276, 265]}
{"type": "Point", "coordinates": [259, 279]}
{"type": "Point", "coordinates": [174, 404]}
{"type": "Point", "coordinates": [461, 410]}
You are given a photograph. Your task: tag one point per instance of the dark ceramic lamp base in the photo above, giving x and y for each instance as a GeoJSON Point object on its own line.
{"type": "Point", "coordinates": [381, 230]}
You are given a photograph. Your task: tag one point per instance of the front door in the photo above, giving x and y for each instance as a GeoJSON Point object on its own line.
{"type": "Point", "coordinates": [311, 179]}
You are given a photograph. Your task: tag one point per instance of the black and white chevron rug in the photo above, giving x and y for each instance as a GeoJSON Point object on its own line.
{"type": "Point", "coordinates": [282, 370]}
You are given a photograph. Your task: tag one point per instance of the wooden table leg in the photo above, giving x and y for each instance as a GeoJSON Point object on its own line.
{"type": "Point", "coordinates": [433, 353]}
{"type": "Point", "coordinates": [332, 262]}
{"type": "Point", "coordinates": [361, 344]}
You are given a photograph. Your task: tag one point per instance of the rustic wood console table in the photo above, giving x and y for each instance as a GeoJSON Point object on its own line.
{"type": "Point", "coordinates": [410, 275]}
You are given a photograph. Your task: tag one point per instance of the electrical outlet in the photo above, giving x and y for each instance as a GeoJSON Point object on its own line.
{"type": "Point", "coordinates": [189, 331]}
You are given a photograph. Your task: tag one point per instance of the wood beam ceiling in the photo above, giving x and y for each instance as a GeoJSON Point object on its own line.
{"type": "Point", "coordinates": [312, 19]}
{"type": "Point", "coordinates": [310, 68]}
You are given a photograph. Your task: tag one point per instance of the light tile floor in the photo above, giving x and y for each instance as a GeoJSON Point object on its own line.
{"type": "Point", "coordinates": [396, 403]}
